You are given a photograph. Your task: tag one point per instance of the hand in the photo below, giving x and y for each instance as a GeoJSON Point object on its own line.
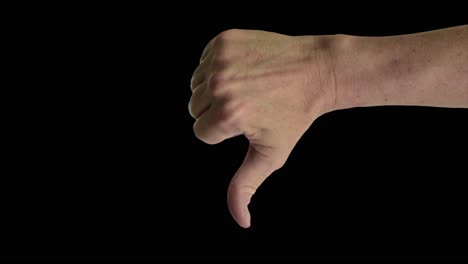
{"type": "Point", "coordinates": [267, 87]}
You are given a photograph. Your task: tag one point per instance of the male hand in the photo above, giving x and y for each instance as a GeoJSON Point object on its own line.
{"type": "Point", "coordinates": [267, 87]}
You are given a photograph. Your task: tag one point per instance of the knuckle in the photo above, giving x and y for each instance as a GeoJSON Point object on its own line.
{"type": "Point", "coordinates": [196, 77]}
{"type": "Point", "coordinates": [232, 112]}
{"type": "Point", "coordinates": [208, 141]}
{"type": "Point", "coordinates": [219, 39]}
{"type": "Point", "coordinates": [229, 33]}
{"type": "Point", "coordinates": [226, 114]}
{"type": "Point", "coordinates": [236, 188]}
{"type": "Point", "coordinates": [217, 84]}
{"type": "Point", "coordinates": [221, 58]}
{"type": "Point", "coordinates": [194, 107]}
{"type": "Point", "coordinates": [225, 36]}
{"type": "Point", "coordinates": [224, 44]}
{"type": "Point", "coordinates": [225, 55]}
{"type": "Point", "coordinates": [190, 108]}
{"type": "Point", "coordinates": [204, 135]}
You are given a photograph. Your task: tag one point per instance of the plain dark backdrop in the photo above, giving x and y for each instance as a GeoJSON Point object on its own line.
{"type": "Point", "coordinates": [104, 164]}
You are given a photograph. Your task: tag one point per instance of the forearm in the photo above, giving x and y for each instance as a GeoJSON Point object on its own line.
{"type": "Point", "coordinates": [424, 69]}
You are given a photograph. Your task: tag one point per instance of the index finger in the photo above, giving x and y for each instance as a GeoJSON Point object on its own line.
{"type": "Point", "coordinates": [207, 49]}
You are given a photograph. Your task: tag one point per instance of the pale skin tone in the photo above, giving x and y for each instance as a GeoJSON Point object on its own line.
{"type": "Point", "coordinates": [270, 88]}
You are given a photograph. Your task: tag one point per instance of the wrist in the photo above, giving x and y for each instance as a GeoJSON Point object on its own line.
{"type": "Point", "coordinates": [352, 68]}
{"type": "Point", "coordinates": [361, 67]}
{"type": "Point", "coordinates": [371, 71]}
{"type": "Point", "coordinates": [320, 78]}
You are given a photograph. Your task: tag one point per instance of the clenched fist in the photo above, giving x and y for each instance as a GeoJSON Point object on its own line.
{"type": "Point", "coordinates": [267, 87]}
{"type": "Point", "coordinates": [271, 87]}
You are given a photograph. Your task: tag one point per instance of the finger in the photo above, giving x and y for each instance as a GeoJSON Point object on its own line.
{"type": "Point", "coordinates": [212, 129]}
{"type": "Point", "coordinates": [199, 75]}
{"type": "Point", "coordinates": [207, 49]}
{"type": "Point", "coordinates": [253, 171]}
{"type": "Point", "coordinates": [200, 101]}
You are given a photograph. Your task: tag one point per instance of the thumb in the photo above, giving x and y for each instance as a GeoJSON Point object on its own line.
{"type": "Point", "coordinates": [255, 168]}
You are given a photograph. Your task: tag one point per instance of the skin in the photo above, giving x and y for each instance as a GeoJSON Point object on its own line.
{"type": "Point", "coordinates": [270, 88]}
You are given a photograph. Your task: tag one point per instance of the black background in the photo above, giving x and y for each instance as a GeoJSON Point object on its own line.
{"type": "Point", "coordinates": [102, 161]}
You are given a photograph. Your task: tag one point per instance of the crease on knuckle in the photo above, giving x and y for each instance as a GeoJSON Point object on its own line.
{"type": "Point", "coordinates": [217, 84]}
{"type": "Point", "coordinates": [237, 188]}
